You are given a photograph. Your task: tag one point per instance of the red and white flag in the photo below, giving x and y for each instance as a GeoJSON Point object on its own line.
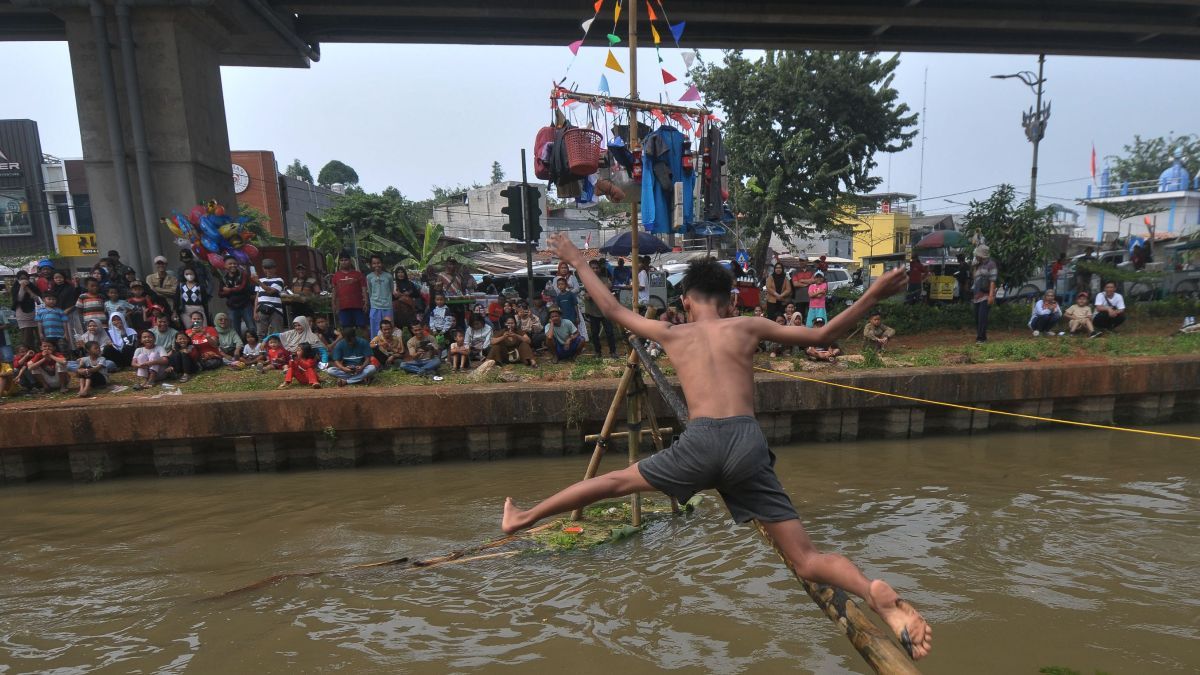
{"type": "Point", "coordinates": [1093, 163]}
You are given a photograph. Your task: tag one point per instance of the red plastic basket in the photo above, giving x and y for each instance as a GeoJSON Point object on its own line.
{"type": "Point", "coordinates": [583, 150]}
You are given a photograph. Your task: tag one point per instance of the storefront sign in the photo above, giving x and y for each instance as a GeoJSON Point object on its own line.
{"type": "Point", "coordinates": [77, 245]}
{"type": "Point", "coordinates": [8, 168]}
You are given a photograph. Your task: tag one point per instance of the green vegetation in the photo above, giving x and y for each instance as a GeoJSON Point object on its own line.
{"type": "Point", "coordinates": [603, 522]}
{"type": "Point", "coordinates": [1017, 232]}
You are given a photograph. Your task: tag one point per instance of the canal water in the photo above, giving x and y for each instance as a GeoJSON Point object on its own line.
{"type": "Point", "coordinates": [1072, 549]}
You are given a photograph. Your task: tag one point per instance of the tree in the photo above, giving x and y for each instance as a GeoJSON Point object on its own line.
{"type": "Point", "coordinates": [418, 252]}
{"type": "Point", "coordinates": [1017, 233]}
{"type": "Point", "coordinates": [802, 129]}
{"type": "Point", "coordinates": [259, 224]}
{"type": "Point", "coordinates": [386, 214]}
{"type": "Point", "coordinates": [1146, 158]}
{"type": "Point", "coordinates": [298, 171]}
{"type": "Point", "coordinates": [337, 172]}
{"type": "Point", "coordinates": [497, 173]}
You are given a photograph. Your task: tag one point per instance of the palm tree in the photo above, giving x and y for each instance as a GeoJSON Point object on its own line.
{"type": "Point", "coordinates": [418, 253]}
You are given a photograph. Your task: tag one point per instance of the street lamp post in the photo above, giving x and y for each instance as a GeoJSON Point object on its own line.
{"type": "Point", "coordinates": [1035, 119]}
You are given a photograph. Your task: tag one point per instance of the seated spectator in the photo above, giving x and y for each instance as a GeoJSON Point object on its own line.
{"type": "Point", "coordinates": [563, 336]}
{"type": "Point", "coordinates": [49, 368]}
{"type": "Point", "coordinates": [789, 311]}
{"type": "Point", "coordinates": [91, 332]}
{"type": "Point", "coordinates": [423, 352]}
{"type": "Point", "coordinates": [301, 334]}
{"type": "Point", "coordinates": [115, 305]}
{"type": "Point", "coordinates": [1079, 315]}
{"type": "Point", "coordinates": [540, 310]}
{"type": "Point", "coordinates": [533, 327]}
{"type": "Point", "coordinates": [776, 349]}
{"type": "Point", "coordinates": [388, 346]}
{"type": "Point", "coordinates": [351, 359]}
{"type": "Point", "coordinates": [512, 345]}
{"type": "Point", "coordinates": [479, 338]}
{"type": "Point", "coordinates": [122, 342]}
{"type": "Point", "coordinates": [206, 349]}
{"type": "Point", "coordinates": [227, 338]}
{"type": "Point", "coordinates": [9, 386]}
{"type": "Point", "coordinates": [252, 354]}
{"type": "Point", "coordinates": [827, 354]}
{"type": "Point", "coordinates": [150, 361]}
{"type": "Point", "coordinates": [144, 311]}
{"type": "Point", "coordinates": [21, 365]}
{"type": "Point", "coordinates": [1110, 310]}
{"type": "Point", "coordinates": [1046, 314]}
{"type": "Point", "coordinates": [758, 311]}
{"type": "Point", "coordinates": [328, 337]}
{"type": "Point", "coordinates": [876, 336]}
{"type": "Point", "coordinates": [180, 362]}
{"type": "Point", "coordinates": [164, 334]}
{"type": "Point", "coordinates": [91, 369]}
{"type": "Point", "coordinates": [52, 321]}
{"type": "Point", "coordinates": [192, 294]}
{"type": "Point", "coordinates": [278, 357]}
{"type": "Point", "coordinates": [303, 368]}
{"type": "Point", "coordinates": [460, 352]}
{"type": "Point", "coordinates": [673, 316]}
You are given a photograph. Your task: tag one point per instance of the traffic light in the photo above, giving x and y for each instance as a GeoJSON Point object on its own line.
{"type": "Point", "coordinates": [533, 231]}
{"type": "Point", "coordinates": [515, 226]}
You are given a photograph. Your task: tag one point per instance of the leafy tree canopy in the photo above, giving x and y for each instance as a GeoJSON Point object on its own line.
{"type": "Point", "coordinates": [416, 251]}
{"type": "Point", "coordinates": [1146, 158]}
{"type": "Point", "coordinates": [298, 171]}
{"type": "Point", "coordinates": [1017, 233]}
{"type": "Point", "coordinates": [802, 129]}
{"type": "Point", "coordinates": [497, 173]}
{"type": "Point", "coordinates": [337, 172]}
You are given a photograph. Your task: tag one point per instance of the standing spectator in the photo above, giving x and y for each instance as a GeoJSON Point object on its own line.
{"type": "Point", "coordinates": [144, 311]}
{"type": "Point", "coordinates": [622, 276]}
{"type": "Point", "coordinates": [568, 302]}
{"type": "Point", "coordinates": [49, 368]}
{"type": "Point", "coordinates": [91, 303]}
{"type": "Point", "coordinates": [801, 280]}
{"type": "Point", "coordinates": [540, 309]}
{"type": "Point", "coordinates": [206, 344]}
{"type": "Point", "coordinates": [454, 280]}
{"type": "Point", "coordinates": [268, 301]}
{"type": "Point", "coordinates": [150, 361]}
{"type": "Point", "coordinates": [512, 345]}
{"type": "Point", "coordinates": [962, 276]}
{"type": "Point", "coordinates": [118, 268]}
{"type": "Point", "coordinates": [52, 322]}
{"type": "Point", "coordinates": [778, 290]}
{"type": "Point", "coordinates": [45, 277]}
{"type": "Point", "coordinates": [876, 335]}
{"type": "Point", "coordinates": [531, 325]}
{"type": "Point", "coordinates": [595, 318]}
{"type": "Point", "coordinates": [381, 288]}
{"type": "Point", "coordinates": [24, 303]}
{"type": "Point", "coordinates": [983, 289]}
{"type": "Point", "coordinates": [1110, 310]}
{"type": "Point", "coordinates": [164, 283]}
{"type": "Point", "coordinates": [1046, 314]}
{"type": "Point", "coordinates": [180, 362]}
{"type": "Point", "coordinates": [309, 284]}
{"type": "Point", "coordinates": [917, 273]}
{"type": "Point", "coordinates": [349, 294]}
{"type": "Point", "coordinates": [303, 368]}
{"type": "Point", "coordinates": [122, 342]}
{"type": "Point", "coordinates": [816, 299]}
{"type": "Point", "coordinates": [67, 294]}
{"type": "Point", "coordinates": [164, 334]}
{"type": "Point", "coordinates": [238, 294]}
{"type": "Point", "coordinates": [193, 295]}
{"type": "Point", "coordinates": [644, 270]}
{"type": "Point", "coordinates": [408, 305]}
{"type": "Point", "coordinates": [1083, 277]}
{"type": "Point", "coordinates": [188, 262]}
{"type": "Point", "coordinates": [1079, 315]}
{"type": "Point", "coordinates": [440, 317]}
{"type": "Point", "coordinates": [563, 336]}
{"type": "Point", "coordinates": [388, 346]}
{"type": "Point", "coordinates": [91, 370]}
{"type": "Point", "coordinates": [227, 338]}
{"type": "Point", "coordinates": [351, 359]}
{"type": "Point", "coordinates": [479, 338]}
{"type": "Point", "coordinates": [1056, 271]}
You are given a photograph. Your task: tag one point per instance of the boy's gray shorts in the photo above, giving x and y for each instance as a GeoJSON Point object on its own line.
{"type": "Point", "coordinates": [729, 454]}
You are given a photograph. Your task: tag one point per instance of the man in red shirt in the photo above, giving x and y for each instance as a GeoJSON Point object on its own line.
{"type": "Point", "coordinates": [801, 280]}
{"type": "Point", "coordinates": [917, 272]}
{"type": "Point", "coordinates": [349, 293]}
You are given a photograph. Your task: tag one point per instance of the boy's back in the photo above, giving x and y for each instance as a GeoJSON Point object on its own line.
{"type": "Point", "coordinates": [714, 362]}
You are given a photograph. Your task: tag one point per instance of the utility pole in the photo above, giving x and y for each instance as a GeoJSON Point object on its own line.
{"type": "Point", "coordinates": [1035, 119]}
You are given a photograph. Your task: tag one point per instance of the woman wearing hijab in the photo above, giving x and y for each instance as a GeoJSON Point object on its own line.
{"type": "Point", "coordinates": [779, 291]}
{"type": "Point", "coordinates": [227, 338]}
{"type": "Point", "coordinates": [300, 334]}
{"type": "Point", "coordinates": [123, 341]}
{"type": "Point", "coordinates": [407, 306]}
{"type": "Point", "coordinates": [92, 332]}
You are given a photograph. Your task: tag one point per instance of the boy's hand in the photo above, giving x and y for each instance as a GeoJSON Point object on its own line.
{"type": "Point", "coordinates": [889, 284]}
{"type": "Point", "coordinates": [561, 246]}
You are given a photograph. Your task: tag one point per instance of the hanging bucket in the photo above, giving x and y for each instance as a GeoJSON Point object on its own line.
{"type": "Point", "coordinates": [583, 151]}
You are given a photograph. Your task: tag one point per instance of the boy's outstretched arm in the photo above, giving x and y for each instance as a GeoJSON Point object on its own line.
{"type": "Point", "coordinates": [602, 296]}
{"type": "Point", "coordinates": [886, 286]}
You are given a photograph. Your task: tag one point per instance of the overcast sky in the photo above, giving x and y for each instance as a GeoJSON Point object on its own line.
{"type": "Point", "coordinates": [414, 116]}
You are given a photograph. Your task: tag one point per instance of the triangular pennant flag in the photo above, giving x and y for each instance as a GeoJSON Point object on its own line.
{"type": "Point", "coordinates": [658, 115]}
{"type": "Point", "coordinates": [616, 13]}
{"type": "Point", "coordinates": [604, 84]}
{"type": "Point", "coordinates": [612, 62]}
{"type": "Point", "coordinates": [654, 32]}
{"type": "Point", "coordinates": [613, 40]}
{"type": "Point", "coordinates": [568, 102]}
{"type": "Point", "coordinates": [609, 108]}
{"type": "Point", "coordinates": [574, 46]}
{"type": "Point", "coordinates": [658, 52]}
{"type": "Point", "coordinates": [650, 11]}
{"type": "Point", "coordinates": [688, 59]}
{"type": "Point", "coordinates": [677, 30]}
{"type": "Point", "coordinates": [667, 77]}
{"type": "Point", "coordinates": [599, 4]}
{"type": "Point", "coordinates": [692, 94]}
{"type": "Point", "coordinates": [587, 25]}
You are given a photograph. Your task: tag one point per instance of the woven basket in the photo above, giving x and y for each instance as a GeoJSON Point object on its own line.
{"type": "Point", "coordinates": [583, 151]}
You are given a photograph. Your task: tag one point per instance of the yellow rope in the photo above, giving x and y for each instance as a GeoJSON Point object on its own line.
{"type": "Point", "coordinates": [983, 410]}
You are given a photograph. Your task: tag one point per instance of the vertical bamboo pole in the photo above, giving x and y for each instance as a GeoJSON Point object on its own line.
{"type": "Point", "coordinates": [609, 419]}
{"type": "Point", "coordinates": [635, 146]}
{"type": "Point", "coordinates": [633, 409]}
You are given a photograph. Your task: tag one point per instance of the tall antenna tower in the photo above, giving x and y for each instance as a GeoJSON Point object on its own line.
{"type": "Point", "coordinates": [924, 96]}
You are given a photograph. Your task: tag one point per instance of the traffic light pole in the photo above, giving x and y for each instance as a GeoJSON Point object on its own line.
{"type": "Point", "coordinates": [526, 228]}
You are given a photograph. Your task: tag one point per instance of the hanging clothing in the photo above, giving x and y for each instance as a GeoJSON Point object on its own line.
{"type": "Point", "coordinates": [662, 167]}
{"type": "Point", "coordinates": [712, 189]}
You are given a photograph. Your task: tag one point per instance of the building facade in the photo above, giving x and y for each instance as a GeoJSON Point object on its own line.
{"type": "Point", "coordinates": [1169, 205]}
{"type": "Point", "coordinates": [24, 214]}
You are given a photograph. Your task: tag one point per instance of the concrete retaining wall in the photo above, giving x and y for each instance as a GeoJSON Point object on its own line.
{"type": "Point", "coordinates": [301, 429]}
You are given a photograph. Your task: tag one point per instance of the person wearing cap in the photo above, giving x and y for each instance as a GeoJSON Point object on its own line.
{"type": "Point", "coordinates": [983, 289]}
{"type": "Point", "coordinates": [564, 335]}
{"type": "Point", "coordinates": [45, 277]}
{"type": "Point", "coordinates": [163, 283]}
{"type": "Point", "coordinates": [817, 291]}
{"type": "Point", "coordinates": [268, 301]}
{"type": "Point", "coordinates": [117, 267]}
{"type": "Point", "coordinates": [308, 283]}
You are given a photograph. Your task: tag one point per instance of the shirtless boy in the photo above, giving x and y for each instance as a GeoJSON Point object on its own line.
{"type": "Point", "coordinates": [723, 447]}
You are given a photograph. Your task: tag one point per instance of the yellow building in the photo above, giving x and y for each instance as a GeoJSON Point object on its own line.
{"type": "Point", "coordinates": [881, 224]}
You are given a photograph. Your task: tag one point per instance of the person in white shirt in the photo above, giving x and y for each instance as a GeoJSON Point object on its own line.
{"type": "Point", "coordinates": [268, 305]}
{"type": "Point", "coordinates": [1110, 309]}
{"type": "Point", "coordinates": [1046, 313]}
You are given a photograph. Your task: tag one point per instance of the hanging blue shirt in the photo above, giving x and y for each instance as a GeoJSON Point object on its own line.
{"type": "Point", "coordinates": [664, 147]}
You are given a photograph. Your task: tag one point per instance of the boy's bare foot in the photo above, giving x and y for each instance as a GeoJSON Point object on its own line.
{"type": "Point", "coordinates": [902, 618]}
{"type": "Point", "coordinates": [514, 519]}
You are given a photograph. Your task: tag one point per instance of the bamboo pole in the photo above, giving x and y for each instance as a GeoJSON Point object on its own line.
{"type": "Point", "coordinates": [656, 437]}
{"type": "Point", "coordinates": [628, 103]}
{"type": "Point", "coordinates": [633, 410]}
{"type": "Point", "coordinates": [635, 146]}
{"type": "Point", "coordinates": [609, 419]}
{"type": "Point", "coordinates": [649, 432]}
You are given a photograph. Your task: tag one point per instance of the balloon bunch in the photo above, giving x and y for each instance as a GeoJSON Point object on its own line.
{"type": "Point", "coordinates": [212, 235]}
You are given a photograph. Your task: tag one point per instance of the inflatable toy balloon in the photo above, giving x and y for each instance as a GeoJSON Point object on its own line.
{"type": "Point", "coordinates": [220, 210]}
{"type": "Point", "coordinates": [250, 250]}
{"type": "Point", "coordinates": [229, 230]}
{"type": "Point", "coordinates": [209, 227]}
{"type": "Point", "coordinates": [216, 260]}
{"type": "Point", "coordinates": [210, 243]}
{"type": "Point", "coordinates": [198, 251]}
{"type": "Point", "coordinates": [241, 256]}
{"type": "Point", "coordinates": [182, 243]}
{"type": "Point", "coordinates": [196, 214]}
{"type": "Point", "coordinates": [172, 226]}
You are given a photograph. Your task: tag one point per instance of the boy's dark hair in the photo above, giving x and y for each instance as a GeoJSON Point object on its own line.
{"type": "Point", "coordinates": [88, 345]}
{"type": "Point", "coordinates": [306, 351]}
{"type": "Point", "coordinates": [349, 332]}
{"type": "Point", "coordinates": [250, 332]}
{"type": "Point", "coordinates": [376, 256]}
{"type": "Point", "coordinates": [709, 280]}
{"type": "Point", "coordinates": [49, 294]}
{"type": "Point", "coordinates": [387, 321]}
{"type": "Point", "coordinates": [458, 332]}
{"type": "Point", "coordinates": [874, 313]}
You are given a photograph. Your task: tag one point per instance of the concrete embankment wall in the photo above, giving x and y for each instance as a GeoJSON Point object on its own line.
{"type": "Point", "coordinates": [298, 429]}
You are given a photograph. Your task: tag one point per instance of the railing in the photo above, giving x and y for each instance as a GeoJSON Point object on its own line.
{"type": "Point", "coordinates": [1131, 188]}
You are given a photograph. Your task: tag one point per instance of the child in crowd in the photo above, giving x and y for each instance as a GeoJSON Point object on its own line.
{"type": "Point", "coordinates": [8, 380]}
{"type": "Point", "coordinates": [479, 338]}
{"type": "Point", "coordinates": [49, 368]}
{"type": "Point", "coordinates": [303, 368]}
{"type": "Point", "coordinates": [758, 311]}
{"type": "Point", "coordinates": [144, 311]}
{"type": "Point", "coordinates": [876, 335]}
{"type": "Point", "coordinates": [789, 311]}
{"type": "Point", "coordinates": [328, 337]}
{"type": "Point", "coordinates": [115, 305]}
{"type": "Point", "coordinates": [251, 354]}
{"type": "Point", "coordinates": [123, 342]}
{"type": "Point", "coordinates": [816, 299]}
{"type": "Point", "coordinates": [52, 321]}
{"type": "Point", "coordinates": [775, 349]}
{"type": "Point", "coordinates": [21, 366]}
{"type": "Point", "coordinates": [180, 362]}
{"type": "Point", "coordinates": [388, 346]}
{"type": "Point", "coordinates": [460, 352]}
{"type": "Point", "coordinates": [91, 372]}
{"type": "Point", "coordinates": [277, 357]}
{"type": "Point", "coordinates": [1079, 315]}
{"type": "Point", "coordinates": [828, 354]}
{"type": "Point", "coordinates": [90, 303]}
{"type": "Point", "coordinates": [150, 361]}
{"type": "Point", "coordinates": [440, 318]}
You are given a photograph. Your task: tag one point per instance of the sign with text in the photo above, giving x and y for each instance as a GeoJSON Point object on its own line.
{"type": "Point", "coordinates": [77, 245]}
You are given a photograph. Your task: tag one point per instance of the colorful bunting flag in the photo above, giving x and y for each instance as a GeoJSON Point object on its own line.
{"type": "Point", "coordinates": [688, 59]}
{"type": "Point", "coordinates": [604, 84]}
{"type": "Point", "coordinates": [599, 4]}
{"type": "Point", "coordinates": [614, 64]}
{"type": "Point", "coordinates": [677, 30]}
{"type": "Point", "coordinates": [609, 107]}
{"type": "Point", "coordinates": [667, 77]}
{"type": "Point", "coordinates": [574, 46]}
{"type": "Point", "coordinates": [613, 40]}
{"type": "Point", "coordinates": [692, 94]}
{"type": "Point", "coordinates": [654, 32]}
{"type": "Point", "coordinates": [616, 13]}
{"type": "Point", "coordinates": [568, 102]}
{"type": "Point", "coordinates": [650, 11]}
{"type": "Point", "coordinates": [658, 115]}
{"type": "Point", "coordinates": [683, 120]}
{"type": "Point", "coordinates": [587, 25]}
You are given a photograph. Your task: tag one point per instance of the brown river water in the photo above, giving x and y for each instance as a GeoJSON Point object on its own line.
{"type": "Point", "coordinates": [1077, 549]}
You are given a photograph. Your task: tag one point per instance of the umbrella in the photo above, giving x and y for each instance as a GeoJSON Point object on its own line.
{"type": "Point", "coordinates": [621, 244]}
{"type": "Point", "coordinates": [708, 229]}
{"type": "Point", "coordinates": [944, 239]}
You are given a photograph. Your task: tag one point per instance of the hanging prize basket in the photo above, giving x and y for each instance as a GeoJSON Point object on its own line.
{"type": "Point", "coordinates": [583, 151]}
